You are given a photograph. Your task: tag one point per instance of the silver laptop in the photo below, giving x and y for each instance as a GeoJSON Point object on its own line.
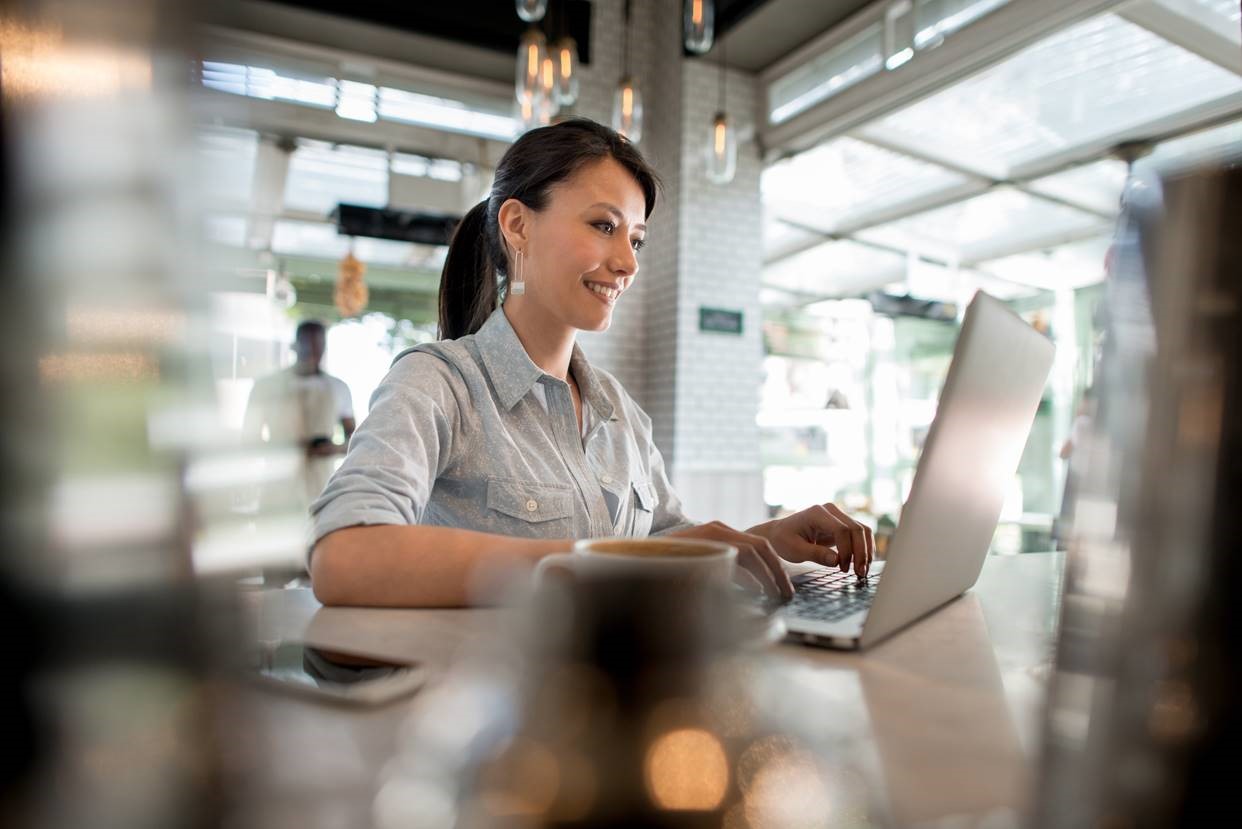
{"type": "Point", "coordinates": [987, 405]}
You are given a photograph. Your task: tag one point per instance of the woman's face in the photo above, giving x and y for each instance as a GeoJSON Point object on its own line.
{"type": "Point", "coordinates": [579, 255]}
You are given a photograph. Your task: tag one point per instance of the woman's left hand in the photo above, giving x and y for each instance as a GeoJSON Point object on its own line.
{"type": "Point", "coordinates": [823, 534]}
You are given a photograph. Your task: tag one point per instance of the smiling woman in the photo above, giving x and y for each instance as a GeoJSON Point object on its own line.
{"type": "Point", "coordinates": [501, 443]}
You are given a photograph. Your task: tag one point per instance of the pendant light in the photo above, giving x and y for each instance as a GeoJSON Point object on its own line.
{"type": "Point", "coordinates": [722, 137]}
{"type": "Point", "coordinates": [698, 25]}
{"type": "Point", "coordinates": [532, 51]}
{"type": "Point", "coordinates": [547, 103]}
{"type": "Point", "coordinates": [532, 11]}
{"type": "Point", "coordinates": [565, 56]}
{"type": "Point", "coordinates": [627, 102]}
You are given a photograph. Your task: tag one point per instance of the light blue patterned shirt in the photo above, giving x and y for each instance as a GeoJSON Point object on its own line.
{"type": "Point", "coordinates": [457, 437]}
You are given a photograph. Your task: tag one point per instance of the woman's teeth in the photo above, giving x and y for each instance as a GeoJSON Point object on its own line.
{"type": "Point", "coordinates": [609, 293]}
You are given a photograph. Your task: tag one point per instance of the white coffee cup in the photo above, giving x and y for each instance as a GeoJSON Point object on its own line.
{"type": "Point", "coordinates": [695, 561]}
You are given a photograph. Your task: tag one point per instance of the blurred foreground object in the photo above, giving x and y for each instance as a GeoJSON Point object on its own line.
{"type": "Point", "coordinates": [104, 399]}
{"type": "Point", "coordinates": [1143, 726]}
{"type": "Point", "coordinates": [622, 700]}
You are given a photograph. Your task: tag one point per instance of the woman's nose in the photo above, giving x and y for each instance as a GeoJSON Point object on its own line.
{"type": "Point", "coordinates": [624, 259]}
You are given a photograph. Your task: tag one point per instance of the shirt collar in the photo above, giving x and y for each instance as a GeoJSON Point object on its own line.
{"type": "Point", "coordinates": [513, 373]}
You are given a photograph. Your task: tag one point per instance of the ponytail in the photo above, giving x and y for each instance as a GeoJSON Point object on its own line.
{"type": "Point", "coordinates": [529, 169]}
{"type": "Point", "coordinates": [468, 291]}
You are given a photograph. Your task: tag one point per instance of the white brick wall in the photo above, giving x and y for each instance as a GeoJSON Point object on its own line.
{"type": "Point", "coordinates": [704, 249]}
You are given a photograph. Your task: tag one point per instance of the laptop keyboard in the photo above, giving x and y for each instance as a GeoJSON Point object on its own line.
{"type": "Point", "coordinates": [830, 595]}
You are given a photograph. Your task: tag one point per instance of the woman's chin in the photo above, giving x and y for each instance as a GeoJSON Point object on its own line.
{"type": "Point", "coordinates": [597, 322]}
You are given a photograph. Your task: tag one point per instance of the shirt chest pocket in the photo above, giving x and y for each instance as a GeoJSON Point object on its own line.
{"type": "Point", "coordinates": [643, 511]}
{"type": "Point", "coordinates": [529, 509]}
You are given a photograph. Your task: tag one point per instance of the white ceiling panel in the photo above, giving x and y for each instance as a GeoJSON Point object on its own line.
{"type": "Point", "coordinates": [844, 180]}
{"type": "Point", "coordinates": [1102, 78]}
{"type": "Point", "coordinates": [1068, 266]}
{"type": "Point", "coordinates": [835, 269]}
{"type": "Point", "coordinates": [1222, 16]}
{"type": "Point", "coordinates": [1096, 186]}
{"type": "Point", "coordinates": [1003, 218]}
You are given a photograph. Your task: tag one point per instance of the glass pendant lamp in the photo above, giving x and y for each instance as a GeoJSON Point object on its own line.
{"type": "Point", "coordinates": [627, 101]}
{"type": "Point", "coordinates": [526, 111]}
{"type": "Point", "coordinates": [565, 52]}
{"type": "Point", "coordinates": [698, 25]}
{"type": "Point", "coordinates": [627, 109]}
{"type": "Point", "coordinates": [547, 104]}
{"type": "Point", "coordinates": [722, 136]}
{"type": "Point", "coordinates": [721, 150]}
{"type": "Point", "coordinates": [532, 11]}
{"type": "Point", "coordinates": [532, 52]}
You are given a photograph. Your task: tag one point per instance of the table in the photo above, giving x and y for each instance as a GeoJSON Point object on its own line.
{"type": "Point", "coordinates": [945, 715]}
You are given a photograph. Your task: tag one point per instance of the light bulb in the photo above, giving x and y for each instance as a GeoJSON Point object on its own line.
{"type": "Point", "coordinates": [532, 52]}
{"type": "Point", "coordinates": [532, 11]}
{"type": "Point", "coordinates": [627, 110]}
{"type": "Point", "coordinates": [566, 54]}
{"type": "Point", "coordinates": [721, 150]}
{"type": "Point", "coordinates": [699, 25]}
{"type": "Point", "coordinates": [527, 110]}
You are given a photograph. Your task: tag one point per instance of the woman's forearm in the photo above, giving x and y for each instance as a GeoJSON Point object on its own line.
{"type": "Point", "coordinates": [414, 566]}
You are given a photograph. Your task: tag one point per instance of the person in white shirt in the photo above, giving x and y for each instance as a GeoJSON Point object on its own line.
{"type": "Point", "coordinates": [303, 405]}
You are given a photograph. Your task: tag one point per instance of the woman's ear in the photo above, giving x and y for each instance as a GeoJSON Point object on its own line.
{"type": "Point", "coordinates": [514, 221]}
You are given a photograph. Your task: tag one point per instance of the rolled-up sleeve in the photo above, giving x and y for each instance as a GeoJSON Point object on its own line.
{"type": "Point", "coordinates": [397, 452]}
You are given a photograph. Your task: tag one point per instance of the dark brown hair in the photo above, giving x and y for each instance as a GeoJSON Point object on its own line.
{"type": "Point", "coordinates": [539, 160]}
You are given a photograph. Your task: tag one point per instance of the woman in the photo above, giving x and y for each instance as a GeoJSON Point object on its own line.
{"type": "Point", "coordinates": [502, 442]}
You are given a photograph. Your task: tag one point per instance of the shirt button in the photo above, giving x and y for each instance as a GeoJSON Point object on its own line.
{"type": "Point", "coordinates": [605, 479]}
{"type": "Point", "coordinates": [532, 505]}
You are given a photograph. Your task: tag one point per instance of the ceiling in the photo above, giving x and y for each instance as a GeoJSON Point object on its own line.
{"type": "Point", "coordinates": [478, 37]}
{"type": "Point", "coordinates": [775, 28]}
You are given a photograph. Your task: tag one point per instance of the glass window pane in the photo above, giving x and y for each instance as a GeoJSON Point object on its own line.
{"type": "Point", "coordinates": [1222, 16]}
{"type": "Point", "coordinates": [444, 113]}
{"type": "Point", "coordinates": [316, 239]}
{"type": "Point", "coordinates": [835, 269]}
{"type": "Point", "coordinates": [1201, 147]}
{"type": "Point", "coordinates": [227, 157]}
{"type": "Point", "coordinates": [1067, 266]}
{"type": "Point", "coordinates": [356, 101]}
{"type": "Point", "coordinates": [1100, 78]}
{"type": "Point", "coordinates": [322, 176]}
{"type": "Point", "coordinates": [387, 252]}
{"type": "Point", "coordinates": [1097, 186]}
{"type": "Point", "coordinates": [827, 74]}
{"type": "Point", "coordinates": [927, 280]}
{"type": "Point", "coordinates": [779, 237]}
{"type": "Point", "coordinates": [998, 220]}
{"type": "Point", "coordinates": [842, 180]}
{"type": "Point", "coordinates": [937, 18]}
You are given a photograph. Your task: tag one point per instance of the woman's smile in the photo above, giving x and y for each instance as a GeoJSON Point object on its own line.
{"type": "Point", "coordinates": [604, 292]}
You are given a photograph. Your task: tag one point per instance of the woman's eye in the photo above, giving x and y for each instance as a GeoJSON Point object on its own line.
{"type": "Point", "coordinates": [638, 244]}
{"type": "Point", "coordinates": [607, 227]}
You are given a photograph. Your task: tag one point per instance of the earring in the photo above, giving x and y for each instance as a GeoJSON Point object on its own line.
{"type": "Point", "coordinates": [517, 287]}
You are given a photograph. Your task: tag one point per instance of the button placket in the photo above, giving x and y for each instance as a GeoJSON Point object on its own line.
{"type": "Point", "coordinates": [573, 450]}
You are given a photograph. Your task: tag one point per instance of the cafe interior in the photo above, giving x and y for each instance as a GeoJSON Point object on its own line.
{"type": "Point", "coordinates": [185, 183]}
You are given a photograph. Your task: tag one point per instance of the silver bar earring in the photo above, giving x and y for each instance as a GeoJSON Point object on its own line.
{"type": "Point", "coordinates": [517, 287]}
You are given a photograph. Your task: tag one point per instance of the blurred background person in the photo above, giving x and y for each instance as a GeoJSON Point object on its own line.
{"type": "Point", "coordinates": [304, 405]}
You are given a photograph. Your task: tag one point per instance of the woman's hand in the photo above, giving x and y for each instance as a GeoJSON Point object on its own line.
{"type": "Point", "coordinates": [759, 563]}
{"type": "Point", "coordinates": [823, 534]}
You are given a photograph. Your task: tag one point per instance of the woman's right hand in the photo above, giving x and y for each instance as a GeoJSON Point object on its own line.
{"type": "Point", "coordinates": [759, 565]}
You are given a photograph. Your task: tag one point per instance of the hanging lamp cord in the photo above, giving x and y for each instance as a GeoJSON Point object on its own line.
{"type": "Point", "coordinates": [626, 57]}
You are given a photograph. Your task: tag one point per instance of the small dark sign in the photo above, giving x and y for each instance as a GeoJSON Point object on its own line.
{"type": "Point", "coordinates": [717, 319]}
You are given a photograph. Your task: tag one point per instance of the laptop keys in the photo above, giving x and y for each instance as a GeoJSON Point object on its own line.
{"type": "Point", "coordinates": [830, 595]}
